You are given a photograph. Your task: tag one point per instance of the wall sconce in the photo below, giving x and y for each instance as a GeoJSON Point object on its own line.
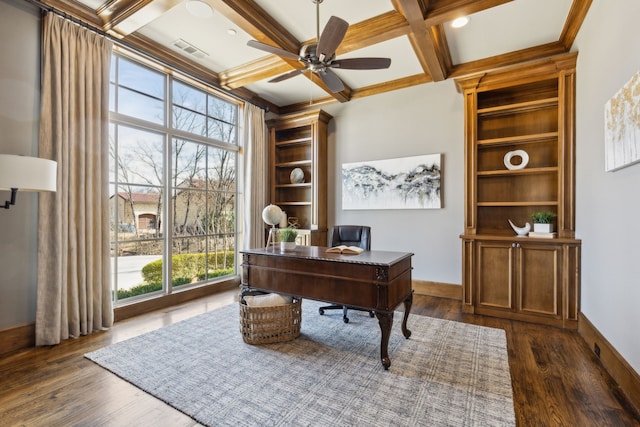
{"type": "Point", "coordinates": [26, 174]}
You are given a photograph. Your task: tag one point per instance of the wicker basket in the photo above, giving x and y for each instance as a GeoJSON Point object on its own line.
{"type": "Point", "coordinates": [264, 325]}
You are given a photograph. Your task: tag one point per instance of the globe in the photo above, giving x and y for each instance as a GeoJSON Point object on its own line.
{"type": "Point", "coordinates": [272, 214]}
{"type": "Point", "coordinates": [297, 176]}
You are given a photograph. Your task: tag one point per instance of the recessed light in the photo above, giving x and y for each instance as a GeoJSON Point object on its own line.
{"type": "Point", "coordinates": [232, 32]}
{"type": "Point", "coordinates": [460, 22]}
{"type": "Point", "coordinates": [199, 8]}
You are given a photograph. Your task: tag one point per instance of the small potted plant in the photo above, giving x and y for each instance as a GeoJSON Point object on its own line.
{"type": "Point", "coordinates": [288, 238]}
{"type": "Point", "coordinates": [542, 221]}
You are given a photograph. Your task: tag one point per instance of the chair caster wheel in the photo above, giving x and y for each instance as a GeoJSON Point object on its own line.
{"type": "Point", "coordinates": [345, 319]}
{"type": "Point", "coordinates": [321, 311]}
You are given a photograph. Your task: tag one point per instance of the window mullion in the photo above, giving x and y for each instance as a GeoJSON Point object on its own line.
{"type": "Point", "coordinates": [168, 172]}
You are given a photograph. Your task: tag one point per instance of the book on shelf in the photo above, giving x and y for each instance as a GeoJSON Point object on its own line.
{"type": "Point", "coordinates": [543, 235]}
{"type": "Point", "coordinates": [344, 249]}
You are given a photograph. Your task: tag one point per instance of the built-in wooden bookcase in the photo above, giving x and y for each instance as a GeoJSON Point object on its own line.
{"type": "Point", "coordinates": [300, 141]}
{"type": "Point", "coordinates": [528, 107]}
{"type": "Point", "coordinates": [506, 124]}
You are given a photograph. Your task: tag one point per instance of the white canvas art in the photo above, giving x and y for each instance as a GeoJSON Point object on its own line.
{"type": "Point", "coordinates": [402, 183]}
{"type": "Point", "coordinates": [622, 126]}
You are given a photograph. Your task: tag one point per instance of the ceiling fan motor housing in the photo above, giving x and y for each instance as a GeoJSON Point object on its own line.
{"type": "Point", "coordinates": [308, 54]}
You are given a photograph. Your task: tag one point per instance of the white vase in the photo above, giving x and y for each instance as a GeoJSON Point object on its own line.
{"type": "Point", "coordinates": [287, 246]}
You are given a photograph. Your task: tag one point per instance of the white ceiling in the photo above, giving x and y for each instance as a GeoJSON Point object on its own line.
{"type": "Point", "coordinates": [506, 28]}
{"type": "Point", "coordinates": [509, 27]}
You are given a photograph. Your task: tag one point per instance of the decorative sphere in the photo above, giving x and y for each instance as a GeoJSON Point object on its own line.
{"type": "Point", "coordinates": [272, 214]}
{"type": "Point", "coordinates": [297, 176]}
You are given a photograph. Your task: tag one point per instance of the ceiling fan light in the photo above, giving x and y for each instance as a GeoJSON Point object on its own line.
{"type": "Point", "coordinates": [460, 22]}
{"type": "Point", "coordinates": [199, 8]}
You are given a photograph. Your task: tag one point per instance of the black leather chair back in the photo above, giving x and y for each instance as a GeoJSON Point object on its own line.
{"type": "Point", "coordinates": [351, 235]}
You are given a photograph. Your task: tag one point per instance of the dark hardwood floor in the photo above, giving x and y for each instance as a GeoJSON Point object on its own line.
{"type": "Point", "coordinates": [557, 381]}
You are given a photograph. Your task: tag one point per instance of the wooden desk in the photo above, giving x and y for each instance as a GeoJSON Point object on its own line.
{"type": "Point", "coordinates": [372, 280]}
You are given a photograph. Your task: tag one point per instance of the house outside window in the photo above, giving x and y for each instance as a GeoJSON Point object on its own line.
{"type": "Point", "coordinates": [173, 182]}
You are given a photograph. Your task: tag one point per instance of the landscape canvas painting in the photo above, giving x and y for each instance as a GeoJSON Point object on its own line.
{"type": "Point", "coordinates": [622, 126]}
{"type": "Point", "coordinates": [402, 183]}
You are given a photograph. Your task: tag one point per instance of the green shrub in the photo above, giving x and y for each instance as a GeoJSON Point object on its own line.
{"type": "Point", "coordinates": [189, 266]}
{"type": "Point", "coordinates": [186, 268]}
{"type": "Point", "coordinates": [181, 281]}
{"type": "Point", "coordinates": [145, 288]}
{"type": "Point", "coordinates": [152, 272]}
{"type": "Point", "coordinates": [216, 273]}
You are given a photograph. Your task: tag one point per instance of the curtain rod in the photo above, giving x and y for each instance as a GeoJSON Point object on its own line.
{"type": "Point", "coordinates": [46, 8]}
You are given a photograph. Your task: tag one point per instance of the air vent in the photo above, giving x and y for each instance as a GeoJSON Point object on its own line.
{"type": "Point", "coordinates": [189, 48]}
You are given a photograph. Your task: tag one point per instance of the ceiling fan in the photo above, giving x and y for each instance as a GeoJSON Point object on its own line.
{"type": "Point", "coordinates": [319, 58]}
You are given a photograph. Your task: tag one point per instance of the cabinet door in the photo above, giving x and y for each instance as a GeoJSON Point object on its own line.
{"type": "Point", "coordinates": [494, 270]}
{"type": "Point", "coordinates": [539, 279]}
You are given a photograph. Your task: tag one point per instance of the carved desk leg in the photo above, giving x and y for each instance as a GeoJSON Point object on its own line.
{"type": "Point", "coordinates": [386, 322]}
{"type": "Point", "coordinates": [408, 302]}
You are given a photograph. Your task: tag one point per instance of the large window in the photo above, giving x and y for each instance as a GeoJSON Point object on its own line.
{"type": "Point", "coordinates": [173, 164]}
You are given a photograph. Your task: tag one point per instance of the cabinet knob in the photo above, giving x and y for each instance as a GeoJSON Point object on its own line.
{"type": "Point", "coordinates": [515, 245]}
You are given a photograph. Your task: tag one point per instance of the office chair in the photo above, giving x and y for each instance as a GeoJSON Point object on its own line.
{"type": "Point", "coordinates": [349, 235]}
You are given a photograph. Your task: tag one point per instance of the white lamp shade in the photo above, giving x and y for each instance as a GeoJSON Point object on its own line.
{"type": "Point", "coordinates": [27, 173]}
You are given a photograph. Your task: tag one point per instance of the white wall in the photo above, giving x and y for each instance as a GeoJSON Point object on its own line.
{"type": "Point", "coordinates": [608, 203]}
{"type": "Point", "coordinates": [425, 119]}
{"type": "Point", "coordinates": [19, 104]}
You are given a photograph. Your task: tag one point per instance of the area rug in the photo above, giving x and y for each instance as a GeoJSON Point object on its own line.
{"type": "Point", "coordinates": [446, 374]}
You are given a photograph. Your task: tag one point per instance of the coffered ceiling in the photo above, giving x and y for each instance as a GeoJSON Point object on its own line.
{"type": "Point", "coordinates": [415, 34]}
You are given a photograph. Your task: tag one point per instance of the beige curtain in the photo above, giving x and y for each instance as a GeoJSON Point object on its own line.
{"type": "Point", "coordinates": [256, 177]}
{"type": "Point", "coordinates": [74, 295]}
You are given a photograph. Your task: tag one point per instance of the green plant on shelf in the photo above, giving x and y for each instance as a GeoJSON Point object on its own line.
{"type": "Point", "coordinates": [543, 217]}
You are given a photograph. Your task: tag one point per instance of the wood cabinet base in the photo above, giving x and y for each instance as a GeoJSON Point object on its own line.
{"type": "Point", "coordinates": [533, 280]}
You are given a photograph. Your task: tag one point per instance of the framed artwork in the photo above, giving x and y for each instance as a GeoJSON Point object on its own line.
{"type": "Point", "coordinates": [622, 126]}
{"type": "Point", "coordinates": [402, 183]}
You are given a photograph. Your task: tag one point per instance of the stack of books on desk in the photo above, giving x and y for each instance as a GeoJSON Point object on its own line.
{"type": "Point", "coordinates": [543, 235]}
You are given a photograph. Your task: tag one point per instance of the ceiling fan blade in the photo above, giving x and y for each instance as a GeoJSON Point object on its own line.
{"type": "Point", "coordinates": [361, 63]}
{"type": "Point", "coordinates": [332, 80]}
{"type": "Point", "coordinates": [331, 37]}
{"type": "Point", "coordinates": [286, 76]}
{"type": "Point", "coordinates": [271, 49]}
